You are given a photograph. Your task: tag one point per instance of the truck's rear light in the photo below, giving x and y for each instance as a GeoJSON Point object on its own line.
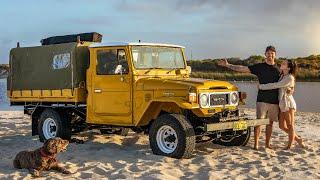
{"type": "Point", "coordinates": [192, 97]}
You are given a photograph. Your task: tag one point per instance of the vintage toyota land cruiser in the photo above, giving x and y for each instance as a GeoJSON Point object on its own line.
{"type": "Point", "coordinates": [69, 87]}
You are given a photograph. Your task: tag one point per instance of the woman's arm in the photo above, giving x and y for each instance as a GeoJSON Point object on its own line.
{"type": "Point", "coordinates": [285, 82]}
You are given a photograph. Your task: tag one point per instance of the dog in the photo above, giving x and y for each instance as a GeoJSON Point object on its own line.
{"type": "Point", "coordinates": [42, 159]}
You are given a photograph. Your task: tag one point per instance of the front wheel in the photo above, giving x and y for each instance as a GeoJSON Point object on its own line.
{"type": "Point", "coordinates": [172, 135]}
{"type": "Point", "coordinates": [51, 124]}
{"type": "Point", "coordinates": [238, 139]}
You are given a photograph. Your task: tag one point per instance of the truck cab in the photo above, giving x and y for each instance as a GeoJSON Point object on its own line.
{"type": "Point", "coordinates": [124, 79]}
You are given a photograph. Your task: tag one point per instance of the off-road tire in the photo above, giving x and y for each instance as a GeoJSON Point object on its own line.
{"type": "Point", "coordinates": [237, 141]}
{"type": "Point", "coordinates": [62, 124]}
{"type": "Point", "coordinates": [184, 131]}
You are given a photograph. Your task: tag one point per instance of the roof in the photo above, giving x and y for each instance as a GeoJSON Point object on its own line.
{"type": "Point", "coordinates": [132, 44]}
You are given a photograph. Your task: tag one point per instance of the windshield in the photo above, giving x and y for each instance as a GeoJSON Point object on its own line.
{"type": "Point", "coordinates": [148, 57]}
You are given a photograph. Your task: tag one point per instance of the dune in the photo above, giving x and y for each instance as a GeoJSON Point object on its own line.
{"type": "Point", "coordinates": [117, 157]}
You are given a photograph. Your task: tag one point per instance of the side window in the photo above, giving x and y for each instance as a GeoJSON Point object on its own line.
{"type": "Point", "coordinates": [123, 61]}
{"type": "Point", "coordinates": [108, 62]}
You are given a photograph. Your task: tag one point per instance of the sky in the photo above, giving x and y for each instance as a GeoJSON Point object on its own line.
{"type": "Point", "coordinates": [207, 28]}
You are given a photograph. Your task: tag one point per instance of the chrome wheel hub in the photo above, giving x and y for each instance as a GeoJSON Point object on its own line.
{"type": "Point", "coordinates": [167, 139]}
{"type": "Point", "coordinates": [49, 128]}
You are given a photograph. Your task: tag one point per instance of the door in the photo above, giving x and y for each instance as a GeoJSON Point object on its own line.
{"type": "Point", "coordinates": [112, 87]}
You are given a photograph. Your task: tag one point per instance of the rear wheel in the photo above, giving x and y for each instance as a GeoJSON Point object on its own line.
{"type": "Point", "coordinates": [238, 139]}
{"type": "Point", "coordinates": [172, 135]}
{"type": "Point", "coordinates": [52, 124]}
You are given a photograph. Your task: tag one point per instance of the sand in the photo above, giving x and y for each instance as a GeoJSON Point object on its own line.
{"type": "Point", "coordinates": [117, 157]}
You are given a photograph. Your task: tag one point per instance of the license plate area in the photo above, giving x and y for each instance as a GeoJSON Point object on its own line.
{"type": "Point", "coordinates": [240, 125]}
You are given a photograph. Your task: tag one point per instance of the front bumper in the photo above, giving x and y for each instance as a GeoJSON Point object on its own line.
{"type": "Point", "coordinates": [233, 126]}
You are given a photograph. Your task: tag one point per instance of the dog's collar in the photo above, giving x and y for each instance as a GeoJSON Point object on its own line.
{"type": "Point", "coordinates": [43, 154]}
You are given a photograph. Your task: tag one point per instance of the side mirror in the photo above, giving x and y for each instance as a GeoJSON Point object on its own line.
{"type": "Point", "coordinates": [189, 69]}
{"type": "Point", "coordinates": [118, 69]}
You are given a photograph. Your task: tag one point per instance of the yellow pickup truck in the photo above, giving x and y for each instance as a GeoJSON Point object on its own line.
{"type": "Point", "coordinates": [74, 86]}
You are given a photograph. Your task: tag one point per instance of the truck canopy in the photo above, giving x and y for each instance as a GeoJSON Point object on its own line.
{"type": "Point", "coordinates": [50, 67]}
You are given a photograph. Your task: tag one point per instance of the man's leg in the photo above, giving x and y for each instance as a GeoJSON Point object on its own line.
{"type": "Point", "coordinates": [257, 131]}
{"type": "Point", "coordinates": [261, 112]}
{"type": "Point", "coordinates": [268, 134]}
{"type": "Point", "coordinates": [273, 114]}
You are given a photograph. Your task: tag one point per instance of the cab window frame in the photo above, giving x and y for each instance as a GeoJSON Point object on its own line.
{"type": "Point", "coordinates": [106, 72]}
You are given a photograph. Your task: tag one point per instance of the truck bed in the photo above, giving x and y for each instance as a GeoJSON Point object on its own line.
{"type": "Point", "coordinates": [77, 95]}
{"type": "Point", "coordinates": [49, 73]}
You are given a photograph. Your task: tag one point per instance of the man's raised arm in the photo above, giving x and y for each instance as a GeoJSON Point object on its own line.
{"type": "Point", "coordinates": [238, 68]}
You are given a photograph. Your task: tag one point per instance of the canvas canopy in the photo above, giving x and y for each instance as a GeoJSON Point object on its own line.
{"type": "Point", "coordinates": [60, 66]}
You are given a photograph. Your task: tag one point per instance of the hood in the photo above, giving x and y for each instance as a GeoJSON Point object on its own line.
{"type": "Point", "coordinates": [183, 83]}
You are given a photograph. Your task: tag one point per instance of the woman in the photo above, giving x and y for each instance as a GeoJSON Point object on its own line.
{"type": "Point", "coordinates": [287, 103]}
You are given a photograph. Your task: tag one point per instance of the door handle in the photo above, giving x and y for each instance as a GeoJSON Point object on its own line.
{"type": "Point", "coordinates": [97, 90]}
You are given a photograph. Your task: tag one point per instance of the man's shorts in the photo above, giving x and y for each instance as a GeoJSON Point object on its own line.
{"type": "Point", "coordinates": [266, 110]}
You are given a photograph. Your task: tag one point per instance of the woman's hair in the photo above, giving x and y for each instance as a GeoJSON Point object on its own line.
{"type": "Point", "coordinates": [293, 67]}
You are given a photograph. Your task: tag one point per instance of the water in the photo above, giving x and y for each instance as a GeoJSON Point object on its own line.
{"type": "Point", "coordinates": [4, 102]}
{"type": "Point", "coordinates": [307, 95]}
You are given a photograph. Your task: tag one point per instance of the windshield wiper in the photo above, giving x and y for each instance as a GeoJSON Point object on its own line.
{"type": "Point", "coordinates": [152, 69]}
{"type": "Point", "coordinates": [174, 69]}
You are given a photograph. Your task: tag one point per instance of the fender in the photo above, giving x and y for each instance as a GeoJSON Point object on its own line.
{"type": "Point", "coordinates": [167, 104]}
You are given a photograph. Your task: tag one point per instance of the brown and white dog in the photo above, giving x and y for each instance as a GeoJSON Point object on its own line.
{"type": "Point", "coordinates": [42, 159]}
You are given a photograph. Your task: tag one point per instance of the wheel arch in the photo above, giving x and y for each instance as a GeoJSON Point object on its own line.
{"type": "Point", "coordinates": [157, 108]}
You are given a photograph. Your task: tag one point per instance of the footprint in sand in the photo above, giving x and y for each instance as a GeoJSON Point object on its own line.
{"type": "Point", "coordinates": [286, 153]}
{"type": "Point", "coordinates": [85, 175]}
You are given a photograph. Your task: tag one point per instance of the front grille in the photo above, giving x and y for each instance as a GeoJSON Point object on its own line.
{"type": "Point", "coordinates": [219, 99]}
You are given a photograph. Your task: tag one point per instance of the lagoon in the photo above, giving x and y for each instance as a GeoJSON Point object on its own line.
{"type": "Point", "coordinates": [307, 95]}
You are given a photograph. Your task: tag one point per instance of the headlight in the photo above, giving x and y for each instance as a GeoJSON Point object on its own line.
{"type": "Point", "coordinates": [234, 98]}
{"type": "Point", "coordinates": [204, 100]}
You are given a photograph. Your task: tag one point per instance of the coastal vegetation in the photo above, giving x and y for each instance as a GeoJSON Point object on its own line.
{"type": "Point", "coordinates": [4, 69]}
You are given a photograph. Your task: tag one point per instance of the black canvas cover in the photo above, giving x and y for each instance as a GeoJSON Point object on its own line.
{"type": "Point", "coordinates": [89, 37]}
{"type": "Point", "coordinates": [61, 66]}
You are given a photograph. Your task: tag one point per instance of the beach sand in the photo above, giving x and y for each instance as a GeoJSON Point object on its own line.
{"type": "Point", "coordinates": [117, 157]}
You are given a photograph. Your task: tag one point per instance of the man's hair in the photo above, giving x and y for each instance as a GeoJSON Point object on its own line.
{"type": "Point", "coordinates": [271, 48]}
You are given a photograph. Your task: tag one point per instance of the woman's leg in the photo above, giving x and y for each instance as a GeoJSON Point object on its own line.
{"type": "Point", "coordinates": [290, 129]}
{"type": "Point", "coordinates": [284, 127]}
{"type": "Point", "coordinates": [282, 122]}
{"type": "Point", "coordinates": [290, 126]}
{"type": "Point", "coordinates": [296, 137]}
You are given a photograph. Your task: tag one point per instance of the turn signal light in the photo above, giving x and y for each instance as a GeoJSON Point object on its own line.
{"type": "Point", "coordinates": [192, 97]}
